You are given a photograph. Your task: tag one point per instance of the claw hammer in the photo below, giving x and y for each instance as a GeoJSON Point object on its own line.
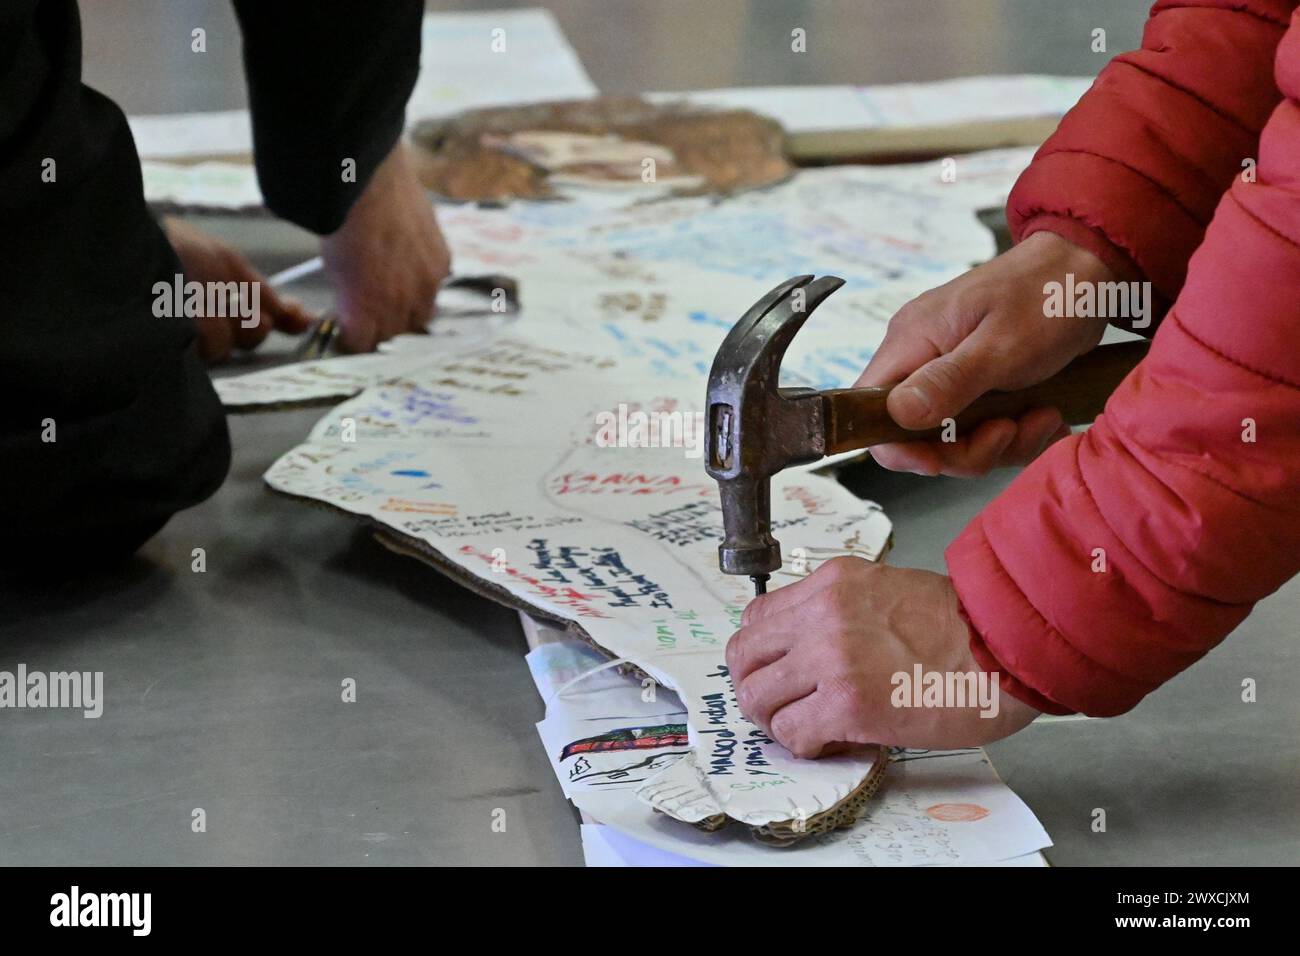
{"type": "Point", "coordinates": [755, 428]}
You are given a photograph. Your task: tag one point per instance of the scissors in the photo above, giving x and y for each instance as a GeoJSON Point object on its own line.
{"type": "Point", "coordinates": [321, 336]}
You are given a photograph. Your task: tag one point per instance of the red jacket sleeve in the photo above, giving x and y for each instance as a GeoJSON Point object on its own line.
{"type": "Point", "coordinates": [1127, 552]}
{"type": "Point", "coordinates": [1134, 171]}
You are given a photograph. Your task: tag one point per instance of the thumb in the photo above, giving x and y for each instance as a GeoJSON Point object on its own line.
{"type": "Point", "coordinates": [943, 387]}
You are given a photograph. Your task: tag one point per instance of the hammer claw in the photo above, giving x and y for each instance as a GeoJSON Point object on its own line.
{"type": "Point", "coordinates": [784, 425]}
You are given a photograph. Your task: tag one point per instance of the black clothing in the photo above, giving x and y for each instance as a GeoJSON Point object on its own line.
{"type": "Point", "coordinates": [138, 431]}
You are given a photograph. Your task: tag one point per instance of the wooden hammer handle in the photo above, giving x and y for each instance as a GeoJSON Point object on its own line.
{"type": "Point", "coordinates": [857, 418]}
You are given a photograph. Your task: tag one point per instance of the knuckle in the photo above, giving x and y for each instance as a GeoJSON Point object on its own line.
{"type": "Point", "coordinates": [913, 314]}
{"type": "Point", "coordinates": [902, 320]}
{"type": "Point", "coordinates": [804, 749]}
{"type": "Point", "coordinates": [947, 373]}
{"type": "Point", "coordinates": [787, 732]}
{"type": "Point", "coordinates": [845, 583]}
{"type": "Point", "coordinates": [963, 308]}
{"type": "Point", "coordinates": [842, 696]}
{"type": "Point", "coordinates": [745, 696]}
{"type": "Point", "coordinates": [967, 464]}
{"type": "Point", "coordinates": [734, 654]}
{"type": "Point", "coordinates": [804, 745]}
{"type": "Point", "coordinates": [838, 570]}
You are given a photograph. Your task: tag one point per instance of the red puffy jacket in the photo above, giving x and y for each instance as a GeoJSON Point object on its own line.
{"type": "Point", "coordinates": [1195, 521]}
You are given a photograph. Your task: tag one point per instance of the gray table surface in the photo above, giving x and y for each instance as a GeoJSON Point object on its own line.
{"type": "Point", "coordinates": [223, 689]}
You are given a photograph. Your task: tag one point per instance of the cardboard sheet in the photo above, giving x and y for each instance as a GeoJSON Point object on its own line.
{"type": "Point", "coordinates": [607, 742]}
{"type": "Point", "coordinates": [490, 460]}
{"type": "Point", "coordinates": [559, 464]}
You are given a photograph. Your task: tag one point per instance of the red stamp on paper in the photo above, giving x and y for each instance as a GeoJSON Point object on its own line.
{"type": "Point", "coordinates": [957, 812]}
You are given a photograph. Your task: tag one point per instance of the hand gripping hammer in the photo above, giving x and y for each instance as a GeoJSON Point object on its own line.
{"type": "Point", "coordinates": [756, 428]}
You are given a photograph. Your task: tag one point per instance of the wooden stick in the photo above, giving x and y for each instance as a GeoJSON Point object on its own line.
{"type": "Point", "coordinates": [857, 417]}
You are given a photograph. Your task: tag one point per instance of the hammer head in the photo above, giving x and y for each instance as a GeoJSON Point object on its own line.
{"type": "Point", "coordinates": [755, 428]}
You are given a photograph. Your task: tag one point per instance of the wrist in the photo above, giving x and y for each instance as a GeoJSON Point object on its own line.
{"type": "Point", "coordinates": [373, 193]}
{"type": "Point", "coordinates": [1010, 710]}
{"type": "Point", "coordinates": [1059, 254]}
{"type": "Point", "coordinates": [1065, 267]}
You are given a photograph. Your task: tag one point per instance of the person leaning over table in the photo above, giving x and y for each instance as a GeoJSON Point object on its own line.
{"type": "Point", "coordinates": [138, 432]}
{"type": "Point", "coordinates": [1188, 486]}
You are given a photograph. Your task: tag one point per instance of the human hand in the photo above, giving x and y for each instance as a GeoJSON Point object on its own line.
{"type": "Point", "coordinates": [982, 331]}
{"type": "Point", "coordinates": [387, 259]}
{"type": "Point", "coordinates": [824, 663]}
{"type": "Point", "coordinates": [207, 259]}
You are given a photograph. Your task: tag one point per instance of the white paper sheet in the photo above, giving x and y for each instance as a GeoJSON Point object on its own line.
{"type": "Point", "coordinates": [934, 808]}
{"type": "Point", "coordinates": [604, 846]}
{"type": "Point", "coordinates": [180, 135]}
{"type": "Point", "coordinates": [342, 376]}
{"type": "Point", "coordinates": [660, 284]}
{"type": "Point", "coordinates": [229, 187]}
{"type": "Point", "coordinates": [815, 109]}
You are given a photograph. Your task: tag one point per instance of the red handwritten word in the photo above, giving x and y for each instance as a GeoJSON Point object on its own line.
{"type": "Point", "coordinates": [628, 483]}
{"type": "Point", "coordinates": [565, 597]}
{"type": "Point", "coordinates": [810, 502]}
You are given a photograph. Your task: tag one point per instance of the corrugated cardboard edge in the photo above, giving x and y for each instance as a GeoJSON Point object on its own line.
{"type": "Point", "coordinates": [841, 815]}
{"type": "Point", "coordinates": [779, 833]}
{"type": "Point", "coordinates": [288, 405]}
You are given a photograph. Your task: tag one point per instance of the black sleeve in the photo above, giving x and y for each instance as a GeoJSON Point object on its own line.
{"type": "Point", "coordinates": [328, 81]}
{"type": "Point", "coordinates": [108, 421]}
